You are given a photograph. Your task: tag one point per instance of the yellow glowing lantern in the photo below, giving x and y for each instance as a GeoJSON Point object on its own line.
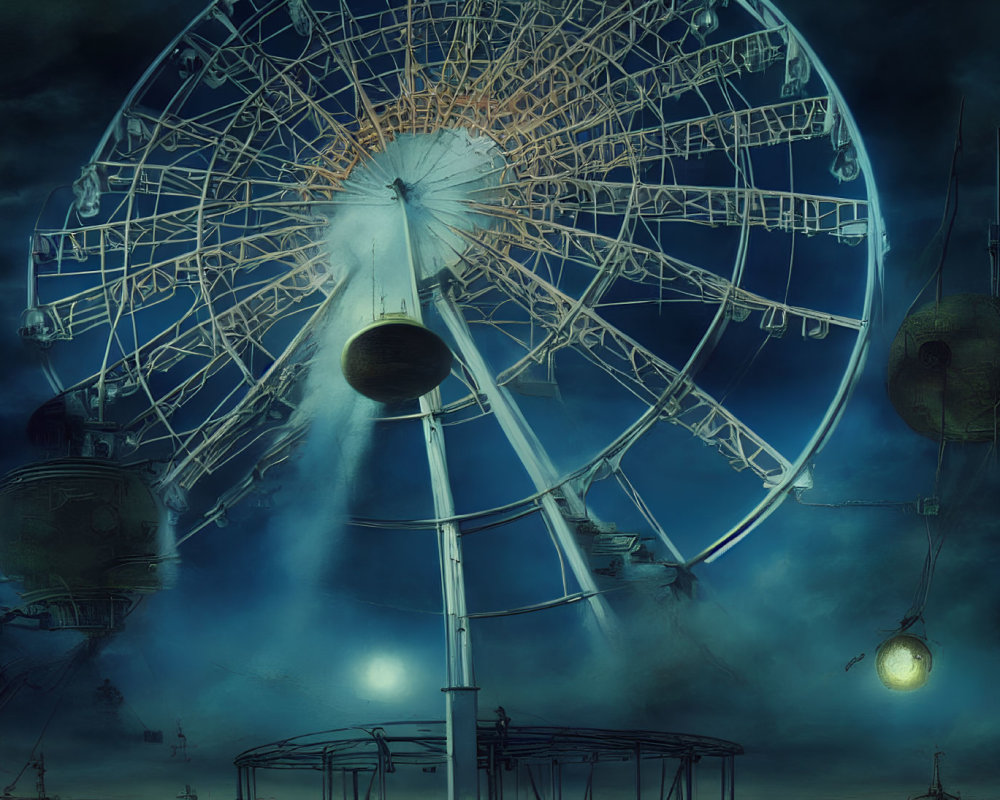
{"type": "Point", "coordinates": [903, 662]}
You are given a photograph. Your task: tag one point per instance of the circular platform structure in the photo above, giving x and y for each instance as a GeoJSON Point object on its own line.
{"type": "Point", "coordinates": [408, 758]}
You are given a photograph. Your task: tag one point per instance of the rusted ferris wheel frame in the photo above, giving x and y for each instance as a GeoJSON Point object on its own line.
{"type": "Point", "coordinates": [572, 94]}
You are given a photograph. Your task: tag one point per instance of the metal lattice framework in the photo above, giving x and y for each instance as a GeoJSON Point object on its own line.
{"type": "Point", "coordinates": [191, 270]}
{"type": "Point", "coordinates": [382, 759]}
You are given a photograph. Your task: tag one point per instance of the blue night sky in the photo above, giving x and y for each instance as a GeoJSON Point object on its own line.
{"type": "Point", "coordinates": [282, 623]}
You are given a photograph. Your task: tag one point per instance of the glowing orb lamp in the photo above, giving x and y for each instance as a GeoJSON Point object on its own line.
{"type": "Point", "coordinates": [395, 359]}
{"type": "Point", "coordinates": [903, 662]}
{"type": "Point", "coordinates": [384, 676]}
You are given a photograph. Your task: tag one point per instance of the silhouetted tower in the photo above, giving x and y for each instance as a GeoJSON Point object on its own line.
{"type": "Point", "coordinates": [936, 790]}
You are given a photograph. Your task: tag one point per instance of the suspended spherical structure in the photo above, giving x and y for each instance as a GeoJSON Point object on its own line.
{"type": "Point", "coordinates": [903, 662]}
{"type": "Point", "coordinates": [83, 540]}
{"type": "Point", "coordinates": [395, 359]}
{"type": "Point", "coordinates": [944, 368]}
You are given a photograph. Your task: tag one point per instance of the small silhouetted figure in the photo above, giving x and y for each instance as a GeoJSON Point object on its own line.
{"type": "Point", "coordinates": [503, 723]}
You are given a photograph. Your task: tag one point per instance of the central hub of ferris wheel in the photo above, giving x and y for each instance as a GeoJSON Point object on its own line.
{"type": "Point", "coordinates": [439, 180]}
{"type": "Point", "coordinates": [413, 226]}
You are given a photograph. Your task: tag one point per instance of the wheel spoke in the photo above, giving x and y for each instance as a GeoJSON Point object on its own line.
{"type": "Point", "coordinates": [612, 258]}
{"type": "Point", "coordinates": [667, 390]}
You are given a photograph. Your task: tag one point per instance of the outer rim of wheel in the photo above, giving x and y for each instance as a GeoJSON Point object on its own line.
{"type": "Point", "coordinates": [767, 15]}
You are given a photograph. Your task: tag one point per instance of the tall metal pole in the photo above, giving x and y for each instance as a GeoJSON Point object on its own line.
{"type": "Point", "coordinates": [638, 771]}
{"type": "Point", "coordinates": [460, 689]}
{"type": "Point", "coordinates": [534, 458]}
{"type": "Point", "coordinates": [994, 238]}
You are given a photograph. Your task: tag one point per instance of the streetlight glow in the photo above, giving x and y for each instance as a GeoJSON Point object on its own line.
{"type": "Point", "coordinates": [383, 677]}
{"type": "Point", "coordinates": [903, 662]}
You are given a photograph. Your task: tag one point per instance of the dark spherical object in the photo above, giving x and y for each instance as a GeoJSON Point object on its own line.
{"type": "Point", "coordinates": [80, 537]}
{"type": "Point", "coordinates": [944, 368]}
{"type": "Point", "coordinates": [78, 524]}
{"type": "Point", "coordinates": [395, 359]}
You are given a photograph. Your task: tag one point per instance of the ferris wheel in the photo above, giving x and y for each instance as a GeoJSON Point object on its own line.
{"type": "Point", "coordinates": [647, 233]}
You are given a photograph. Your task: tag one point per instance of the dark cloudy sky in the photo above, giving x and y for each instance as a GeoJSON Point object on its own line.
{"type": "Point", "coordinates": [239, 656]}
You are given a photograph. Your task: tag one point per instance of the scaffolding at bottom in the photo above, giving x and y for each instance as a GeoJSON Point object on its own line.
{"type": "Point", "coordinates": [409, 759]}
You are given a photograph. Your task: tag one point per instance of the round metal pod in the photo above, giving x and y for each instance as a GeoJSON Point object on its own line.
{"type": "Point", "coordinates": [944, 368]}
{"type": "Point", "coordinates": [81, 538]}
{"type": "Point", "coordinates": [903, 662]}
{"type": "Point", "coordinates": [395, 359]}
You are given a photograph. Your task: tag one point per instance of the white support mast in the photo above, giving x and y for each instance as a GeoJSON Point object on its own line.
{"type": "Point", "coordinates": [534, 458]}
{"type": "Point", "coordinates": [460, 689]}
